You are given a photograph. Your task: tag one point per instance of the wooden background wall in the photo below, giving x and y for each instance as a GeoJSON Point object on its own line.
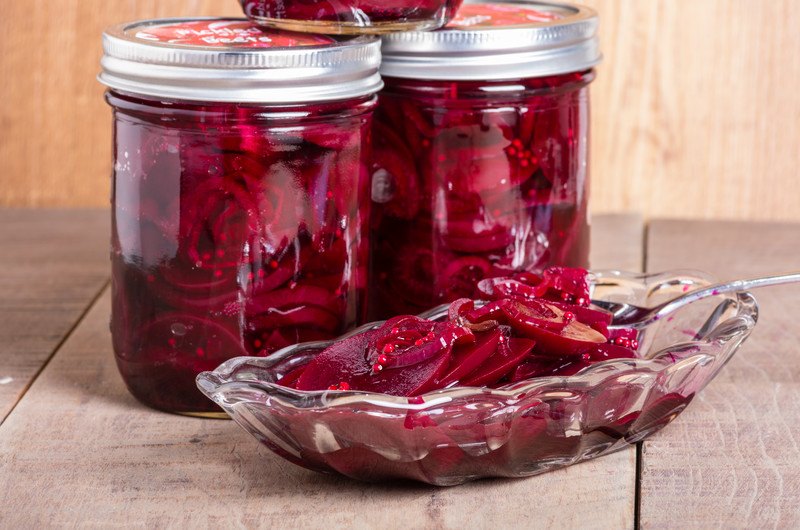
{"type": "Point", "coordinates": [696, 107]}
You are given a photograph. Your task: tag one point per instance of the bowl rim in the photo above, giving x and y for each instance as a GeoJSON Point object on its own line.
{"type": "Point", "coordinates": [734, 328]}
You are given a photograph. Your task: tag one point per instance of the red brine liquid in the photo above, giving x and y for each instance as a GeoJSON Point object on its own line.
{"type": "Point", "coordinates": [340, 15]}
{"type": "Point", "coordinates": [237, 230]}
{"type": "Point", "coordinates": [476, 179]}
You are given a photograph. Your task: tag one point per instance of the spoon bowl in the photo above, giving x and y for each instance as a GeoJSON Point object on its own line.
{"type": "Point", "coordinates": [629, 315]}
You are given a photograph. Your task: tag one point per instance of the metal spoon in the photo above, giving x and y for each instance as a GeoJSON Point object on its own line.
{"type": "Point", "coordinates": [629, 315]}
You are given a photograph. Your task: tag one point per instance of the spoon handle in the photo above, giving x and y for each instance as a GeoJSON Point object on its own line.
{"type": "Point", "coordinates": [727, 287]}
{"type": "Point", "coordinates": [766, 281]}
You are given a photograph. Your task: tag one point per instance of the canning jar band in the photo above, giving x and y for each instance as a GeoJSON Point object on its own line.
{"type": "Point", "coordinates": [568, 43]}
{"type": "Point", "coordinates": [345, 69]}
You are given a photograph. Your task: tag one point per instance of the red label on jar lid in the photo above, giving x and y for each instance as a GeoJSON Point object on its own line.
{"type": "Point", "coordinates": [228, 33]}
{"type": "Point", "coordinates": [478, 16]}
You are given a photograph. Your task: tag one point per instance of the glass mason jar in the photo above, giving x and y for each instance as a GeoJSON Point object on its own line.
{"type": "Point", "coordinates": [480, 152]}
{"type": "Point", "coordinates": [351, 16]}
{"type": "Point", "coordinates": [240, 195]}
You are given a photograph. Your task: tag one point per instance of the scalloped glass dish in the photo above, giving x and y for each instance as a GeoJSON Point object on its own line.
{"type": "Point", "coordinates": [451, 436]}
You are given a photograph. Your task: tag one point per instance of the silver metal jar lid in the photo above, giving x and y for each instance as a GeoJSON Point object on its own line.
{"type": "Point", "coordinates": [508, 40]}
{"type": "Point", "coordinates": [233, 60]}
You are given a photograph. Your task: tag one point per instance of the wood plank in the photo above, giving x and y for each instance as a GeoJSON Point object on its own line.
{"type": "Point", "coordinates": [54, 263]}
{"type": "Point", "coordinates": [732, 459]}
{"type": "Point", "coordinates": [78, 449]}
{"type": "Point", "coordinates": [619, 243]}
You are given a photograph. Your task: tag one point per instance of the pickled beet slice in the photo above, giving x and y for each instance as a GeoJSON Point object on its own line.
{"type": "Point", "coordinates": [557, 284]}
{"type": "Point", "coordinates": [491, 311]}
{"type": "Point", "coordinates": [605, 352]}
{"type": "Point", "coordinates": [416, 119]}
{"type": "Point", "coordinates": [494, 239]}
{"type": "Point", "coordinates": [508, 355]}
{"type": "Point", "coordinates": [290, 378]}
{"type": "Point", "coordinates": [462, 273]}
{"type": "Point", "coordinates": [464, 205]}
{"type": "Point", "coordinates": [472, 168]}
{"type": "Point", "coordinates": [597, 319]}
{"type": "Point", "coordinates": [265, 280]}
{"type": "Point", "coordinates": [190, 338]}
{"type": "Point", "coordinates": [409, 340]}
{"type": "Point", "coordinates": [194, 289]}
{"type": "Point", "coordinates": [593, 355]}
{"type": "Point", "coordinates": [412, 276]}
{"type": "Point", "coordinates": [327, 252]}
{"type": "Point", "coordinates": [346, 361]}
{"type": "Point", "coordinates": [537, 190]}
{"type": "Point", "coordinates": [467, 359]}
{"type": "Point", "coordinates": [459, 308]}
{"type": "Point", "coordinates": [458, 311]}
{"type": "Point", "coordinates": [571, 285]}
{"type": "Point", "coordinates": [531, 316]}
{"type": "Point", "coordinates": [298, 316]}
{"type": "Point", "coordinates": [334, 138]}
{"type": "Point", "coordinates": [300, 295]}
{"type": "Point", "coordinates": [544, 366]}
{"type": "Point", "coordinates": [536, 366]}
{"type": "Point", "coordinates": [395, 179]}
{"type": "Point", "coordinates": [216, 221]}
{"type": "Point", "coordinates": [266, 340]}
{"type": "Point", "coordinates": [392, 116]}
{"type": "Point", "coordinates": [527, 277]}
{"type": "Point", "coordinates": [510, 288]}
{"type": "Point", "coordinates": [573, 339]}
{"type": "Point", "coordinates": [554, 335]}
{"type": "Point", "coordinates": [625, 337]}
{"type": "Point", "coordinates": [529, 286]}
{"type": "Point", "coordinates": [350, 176]}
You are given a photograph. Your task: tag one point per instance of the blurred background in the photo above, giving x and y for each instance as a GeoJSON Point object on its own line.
{"type": "Point", "coordinates": [696, 108]}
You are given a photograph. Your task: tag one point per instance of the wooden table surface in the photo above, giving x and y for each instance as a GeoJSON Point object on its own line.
{"type": "Point", "coordinates": [77, 450]}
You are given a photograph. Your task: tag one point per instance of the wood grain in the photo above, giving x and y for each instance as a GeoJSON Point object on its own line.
{"type": "Point", "coordinates": [732, 460]}
{"type": "Point", "coordinates": [696, 109]}
{"type": "Point", "coordinates": [79, 450]}
{"type": "Point", "coordinates": [696, 112]}
{"type": "Point", "coordinates": [52, 266]}
{"type": "Point", "coordinates": [55, 144]}
{"type": "Point", "coordinates": [618, 242]}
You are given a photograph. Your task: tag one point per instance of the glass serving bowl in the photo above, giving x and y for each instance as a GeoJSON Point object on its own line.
{"type": "Point", "coordinates": [451, 436]}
